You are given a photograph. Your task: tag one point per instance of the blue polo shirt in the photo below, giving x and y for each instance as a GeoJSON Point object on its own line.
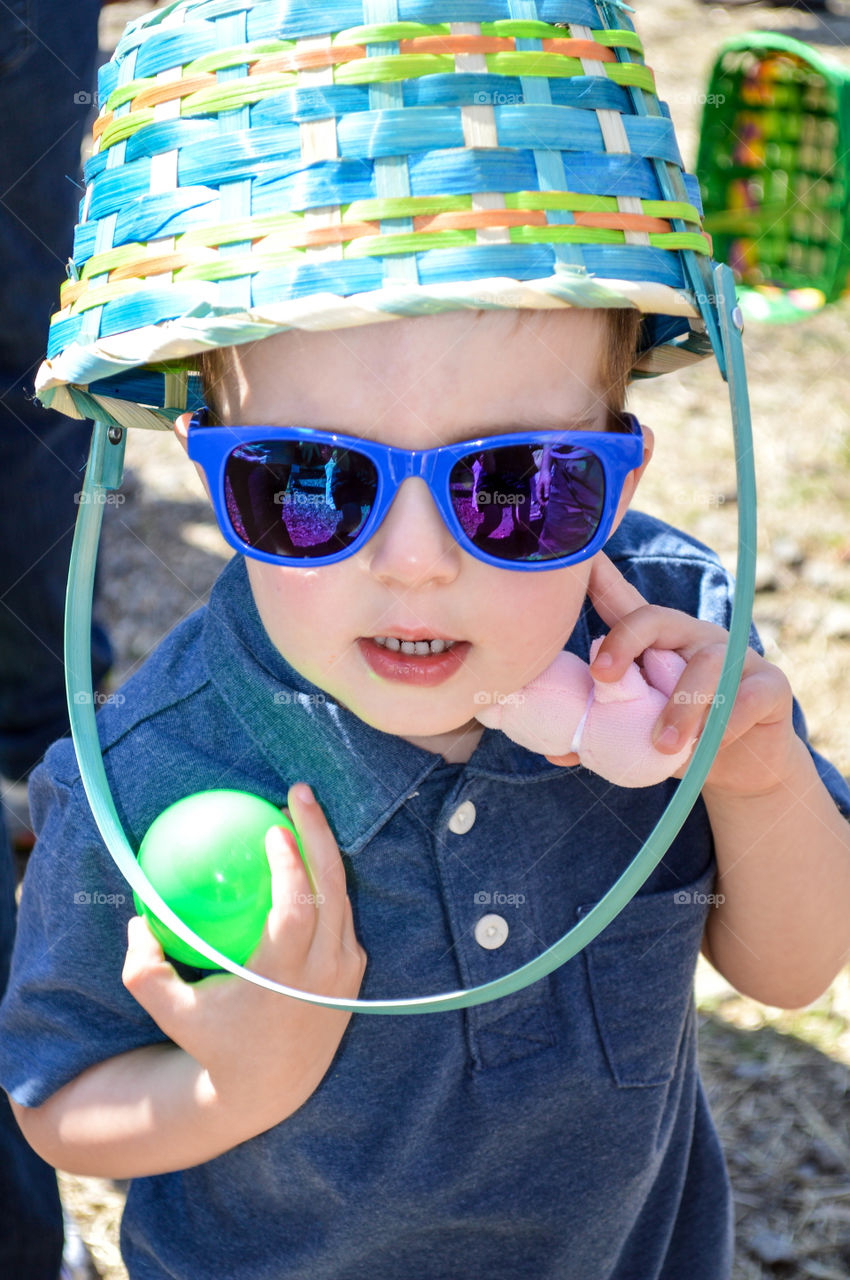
{"type": "Point", "coordinates": [559, 1132]}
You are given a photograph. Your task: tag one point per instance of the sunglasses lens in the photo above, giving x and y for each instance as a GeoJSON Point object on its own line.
{"type": "Point", "coordinates": [529, 503]}
{"type": "Point", "coordinates": [298, 499]}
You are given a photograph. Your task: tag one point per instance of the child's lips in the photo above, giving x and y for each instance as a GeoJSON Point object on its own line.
{"type": "Point", "coordinates": [413, 668]}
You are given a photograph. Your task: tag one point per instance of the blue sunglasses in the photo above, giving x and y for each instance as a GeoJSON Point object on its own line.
{"type": "Point", "coordinates": [523, 500]}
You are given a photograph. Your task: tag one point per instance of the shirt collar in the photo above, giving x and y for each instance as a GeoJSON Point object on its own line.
{"type": "Point", "coordinates": [360, 775]}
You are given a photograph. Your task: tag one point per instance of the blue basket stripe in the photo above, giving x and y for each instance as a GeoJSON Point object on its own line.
{"type": "Point", "coordinates": [235, 201]}
{"type": "Point", "coordinates": [297, 18]}
{"type": "Point", "coordinates": [325, 182]}
{"type": "Point", "coordinates": [174, 47]}
{"type": "Point", "coordinates": [442, 90]}
{"type": "Point", "coordinates": [536, 92]}
{"type": "Point", "coordinates": [392, 176]}
{"type": "Point", "coordinates": [169, 135]}
{"type": "Point", "coordinates": [351, 275]}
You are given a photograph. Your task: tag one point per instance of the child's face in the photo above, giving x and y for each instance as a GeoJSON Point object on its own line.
{"type": "Point", "coordinates": [420, 383]}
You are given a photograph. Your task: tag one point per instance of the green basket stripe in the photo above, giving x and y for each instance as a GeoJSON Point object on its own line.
{"type": "Point", "coordinates": [574, 202]}
{"type": "Point", "coordinates": [402, 207]}
{"type": "Point", "coordinates": [679, 240]}
{"type": "Point", "coordinates": [237, 56]}
{"type": "Point", "coordinates": [672, 209]}
{"type": "Point", "coordinates": [389, 67]}
{"type": "Point", "coordinates": [124, 127]}
{"type": "Point", "coordinates": [112, 258]}
{"type": "Point", "coordinates": [615, 38]}
{"type": "Point", "coordinates": [126, 92]}
{"type": "Point", "coordinates": [231, 94]}
{"type": "Point", "coordinates": [530, 63]}
{"type": "Point", "coordinates": [631, 73]}
{"type": "Point", "coordinates": [105, 293]}
{"type": "Point", "coordinates": [407, 242]}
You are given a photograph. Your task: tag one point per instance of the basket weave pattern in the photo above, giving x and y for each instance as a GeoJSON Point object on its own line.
{"type": "Point", "coordinates": [254, 171]}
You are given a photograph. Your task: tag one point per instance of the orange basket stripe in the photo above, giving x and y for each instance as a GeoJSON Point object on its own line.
{"type": "Point", "coordinates": [579, 49]}
{"type": "Point", "coordinates": [170, 90]}
{"type": "Point", "coordinates": [100, 124]}
{"type": "Point", "coordinates": [621, 221]}
{"type": "Point", "coordinates": [307, 59]}
{"type": "Point", "coordinates": [457, 44]}
{"type": "Point", "coordinates": [469, 219]}
{"type": "Point", "coordinates": [155, 266]}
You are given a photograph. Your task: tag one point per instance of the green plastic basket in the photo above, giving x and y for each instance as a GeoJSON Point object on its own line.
{"type": "Point", "coordinates": [774, 172]}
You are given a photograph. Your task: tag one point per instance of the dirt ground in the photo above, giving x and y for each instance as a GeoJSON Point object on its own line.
{"type": "Point", "coordinates": [778, 1081]}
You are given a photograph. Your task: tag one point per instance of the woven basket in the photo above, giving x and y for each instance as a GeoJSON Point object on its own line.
{"type": "Point", "coordinates": [283, 163]}
{"type": "Point", "coordinates": [774, 171]}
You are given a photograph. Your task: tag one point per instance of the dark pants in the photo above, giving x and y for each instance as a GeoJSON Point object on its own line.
{"type": "Point", "coordinates": [30, 1214]}
{"type": "Point", "coordinates": [47, 59]}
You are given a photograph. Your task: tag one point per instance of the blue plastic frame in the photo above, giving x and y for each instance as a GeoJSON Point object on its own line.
{"type": "Point", "coordinates": [618, 452]}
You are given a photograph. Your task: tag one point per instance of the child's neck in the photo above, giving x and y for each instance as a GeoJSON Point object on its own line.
{"type": "Point", "coordinates": [456, 746]}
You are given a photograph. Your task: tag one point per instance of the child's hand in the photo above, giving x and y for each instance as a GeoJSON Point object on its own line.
{"type": "Point", "coordinates": [759, 745]}
{"type": "Point", "coordinates": [263, 1051]}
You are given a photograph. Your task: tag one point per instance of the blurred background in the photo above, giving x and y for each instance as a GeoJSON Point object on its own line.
{"type": "Point", "coordinates": [778, 1081]}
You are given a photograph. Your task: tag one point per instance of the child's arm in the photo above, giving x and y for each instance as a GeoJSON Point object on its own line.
{"type": "Point", "coordinates": [243, 1058]}
{"type": "Point", "coordinates": [781, 929]}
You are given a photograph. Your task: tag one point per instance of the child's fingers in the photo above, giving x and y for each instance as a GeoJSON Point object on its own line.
{"type": "Point", "coordinates": [610, 594]}
{"type": "Point", "coordinates": [323, 856]}
{"type": "Point", "coordinates": [763, 697]}
{"type": "Point", "coordinates": [291, 923]}
{"type": "Point", "coordinates": [689, 704]}
{"type": "Point", "coordinates": [653, 627]}
{"type": "Point", "coordinates": [153, 982]}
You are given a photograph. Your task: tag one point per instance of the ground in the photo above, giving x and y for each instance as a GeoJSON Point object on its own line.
{"type": "Point", "coordinates": [778, 1081]}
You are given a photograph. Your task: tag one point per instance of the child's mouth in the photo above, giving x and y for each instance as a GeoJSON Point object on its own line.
{"type": "Point", "coordinates": [420, 662]}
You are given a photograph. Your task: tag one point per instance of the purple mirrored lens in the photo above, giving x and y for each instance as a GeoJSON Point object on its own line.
{"type": "Point", "coordinates": [298, 499]}
{"type": "Point", "coordinates": [518, 502]}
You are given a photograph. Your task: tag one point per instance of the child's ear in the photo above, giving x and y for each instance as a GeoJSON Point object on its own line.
{"type": "Point", "coordinates": [181, 429]}
{"type": "Point", "coordinates": [633, 478]}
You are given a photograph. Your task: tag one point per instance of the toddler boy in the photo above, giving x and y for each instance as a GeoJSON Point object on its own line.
{"type": "Point", "coordinates": [560, 1131]}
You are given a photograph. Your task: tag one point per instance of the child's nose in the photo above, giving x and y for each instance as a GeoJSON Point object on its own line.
{"type": "Point", "coordinates": [413, 544]}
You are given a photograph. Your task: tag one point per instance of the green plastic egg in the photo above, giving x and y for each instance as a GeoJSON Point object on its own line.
{"type": "Point", "coordinates": [205, 855]}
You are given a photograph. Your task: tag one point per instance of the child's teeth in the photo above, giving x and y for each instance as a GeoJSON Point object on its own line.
{"type": "Point", "coordinates": [418, 647]}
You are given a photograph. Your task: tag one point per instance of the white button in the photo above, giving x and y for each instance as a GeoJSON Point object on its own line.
{"type": "Point", "coordinates": [462, 818]}
{"type": "Point", "coordinates": [491, 931]}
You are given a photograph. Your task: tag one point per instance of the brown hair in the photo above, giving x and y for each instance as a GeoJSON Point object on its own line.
{"type": "Point", "coordinates": [618, 357]}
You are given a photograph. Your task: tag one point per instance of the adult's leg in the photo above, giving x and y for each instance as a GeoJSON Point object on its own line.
{"type": "Point", "coordinates": [30, 1215]}
{"type": "Point", "coordinates": [47, 60]}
